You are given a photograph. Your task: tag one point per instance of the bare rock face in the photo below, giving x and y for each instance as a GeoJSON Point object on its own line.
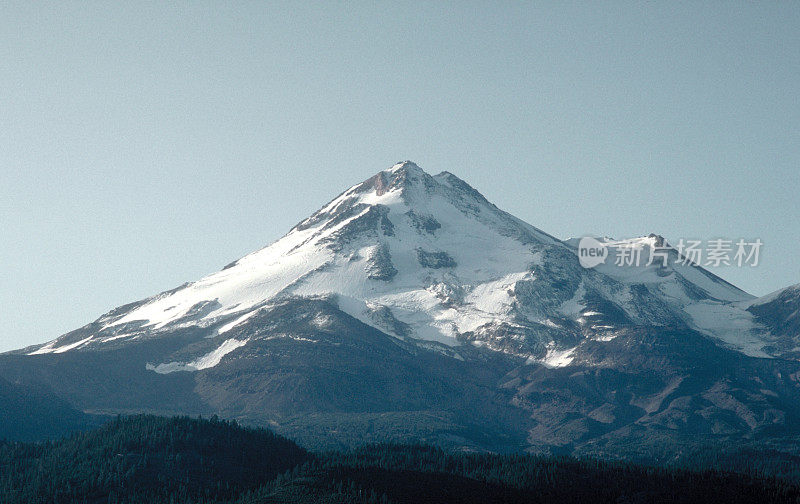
{"type": "Point", "coordinates": [435, 260]}
{"type": "Point", "coordinates": [423, 223]}
{"type": "Point", "coordinates": [379, 264]}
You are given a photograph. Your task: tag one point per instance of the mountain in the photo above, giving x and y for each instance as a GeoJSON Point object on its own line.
{"type": "Point", "coordinates": [410, 307]}
{"type": "Point", "coordinates": [422, 257]}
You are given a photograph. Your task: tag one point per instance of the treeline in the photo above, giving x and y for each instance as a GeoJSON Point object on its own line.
{"type": "Point", "coordinates": [31, 413]}
{"type": "Point", "coordinates": [415, 474]}
{"type": "Point", "coordinates": [145, 459]}
{"type": "Point", "coordinates": [148, 459]}
{"type": "Point", "coordinates": [768, 458]}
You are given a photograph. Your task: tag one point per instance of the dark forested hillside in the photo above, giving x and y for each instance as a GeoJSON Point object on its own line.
{"type": "Point", "coordinates": [145, 459]}
{"type": "Point", "coordinates": [32, 413]}
{"type": "Point", "coordinates": [180, 460]}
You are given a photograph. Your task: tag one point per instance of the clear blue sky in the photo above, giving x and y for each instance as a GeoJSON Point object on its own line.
{"type": "Point", "coordinates": [143, 145]}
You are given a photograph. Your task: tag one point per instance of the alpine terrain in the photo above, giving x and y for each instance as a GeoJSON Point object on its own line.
{"type": "Point", "coordinates": [411, 308]}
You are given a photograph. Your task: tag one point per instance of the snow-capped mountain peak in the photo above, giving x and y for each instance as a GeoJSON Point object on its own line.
{"type": "Point", "coordinates": [399, 239]}
{"type": "Point", "coordinates": [428, 258]}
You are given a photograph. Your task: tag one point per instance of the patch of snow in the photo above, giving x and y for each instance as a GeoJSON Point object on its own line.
{"type": "Point", "coordinates": [116, 337]}
{"type": "Point", "coordinates": [300, 338]}
{"type": "Point", "coordinates": [209, 360]}
{"type": "Point", "coordinates": [556, 358]}
{"type": "Point", "coordinates": [48, 348]}
{"type": "Point", "coordinates": [573, 307]}
{"type": "Point", "coordinates": [65, 348]}
{"type": "Point", "coordinates": [729, 323]}
{"type": "Point", "coordinates": [227, 327]}
{"type": "Point", "coordinates": [321, 321]}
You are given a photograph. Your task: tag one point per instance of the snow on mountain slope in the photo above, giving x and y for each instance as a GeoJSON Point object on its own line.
{"type": "Point", "coordinates": [705, 302]}
{"type": "Point", "coordinates": [426, 257]}
{"type": "Point", "coordinates": [788, 298]}
{"type": "Point", "coordinates": [667, 276]}
{"type": "Point", "coordinates": [407, 266]}
{"type": "Point", "coordinates": [778, 314]}
{"type": "Point", "coordinates": [206, 361]}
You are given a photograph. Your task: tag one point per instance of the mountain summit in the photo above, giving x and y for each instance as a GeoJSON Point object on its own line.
{"type": "Point", "coordinates": [411, 302]}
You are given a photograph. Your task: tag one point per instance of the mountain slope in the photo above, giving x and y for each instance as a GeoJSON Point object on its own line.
{"type": "Point", "coordinates": [31, 413]}
{"type": "Point", "coordinates": [147, 459]}
{"type": "Point", "coordinates": [779, 314]}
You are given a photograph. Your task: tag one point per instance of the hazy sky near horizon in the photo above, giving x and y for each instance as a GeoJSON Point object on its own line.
{"type": "Point", "coordinates": [146, 144]}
